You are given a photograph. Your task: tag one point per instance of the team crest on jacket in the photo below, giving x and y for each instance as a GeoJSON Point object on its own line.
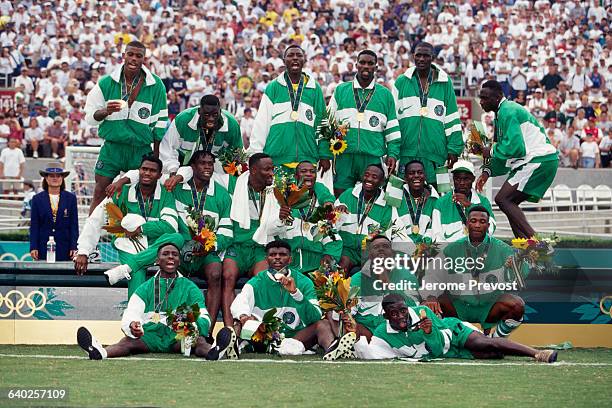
{"type": "Point", "coordinates": [491, 279]}
{"type": "Point", "coordinates": [374, 121]}
{"type": "Point", "coordinates": [309, 114]}
{"type": "Point", "coordinates": [99, 165]}
{"type": "Point", "coordinates": [439, 110]}
{"type": "Point", "coordinates": [288, 317]}
{"type": "Point", "coordinates": [144, 113]}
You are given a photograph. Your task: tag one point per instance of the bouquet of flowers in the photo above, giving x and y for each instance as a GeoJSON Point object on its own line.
{"type": "Point", "coordinates": [115, 215]}
{"type": "Point", "coordinates": [325, 218]}
{"type": "Point", "coordinates": [288, 192]}
{"type": "Point", "coordinates": [477, 139]}
{"type": "Point", "coordinates": [334, 132]}
{"type": "Point", "coordinates": [536, 251]}
{"type": "Point", "coordinates": [334, 290]}
{"type": "Point", "coordinates": [234, 160]}
{"type": "Point", "coordinates": [425, 250]}
{"type": "Point", "coordinates": [202, 229]}
{"type": "Point", "coordinates": [183, 322]}
{"type": "Point", "coordinates": [373, 230]}
{"type": "Point", "coordinates": [267, 338]}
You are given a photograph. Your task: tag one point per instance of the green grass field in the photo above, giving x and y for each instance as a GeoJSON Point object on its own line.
{"type": "Point", "coordinates": [582, 378]}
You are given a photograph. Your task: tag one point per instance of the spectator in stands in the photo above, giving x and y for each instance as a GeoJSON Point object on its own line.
{"type": "Point", "coordinates": [552, 78]}
{"type": "Point", "coordinates": [55, 137]}
{"type": "Point", "coordinates": [11, 166]}
{"type": "Point", "coordinates": [34, 135]}
{"type": "Point", "coordinates": [589, 152]}
{"type": "Point", "coordinates": [569, 149]}
{"type": "Point", "coordinates": [54, 213]}
{"type": "Point", "coordinates": [29, 192]}
{"type": "Point", "coordinates": [592, 130]}
{"type": "Point", "coordinates": [246, 125]}
{"type": "Point", "coordinates": [537, 105]}
{"type": "Point", "coordinates": [605, 150]}
{"type": "Point", "coordinates": [580, 121]}
{"type": "Point", "coordinates": [5, 132]}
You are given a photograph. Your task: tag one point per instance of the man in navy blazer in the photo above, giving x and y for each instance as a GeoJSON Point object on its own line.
{"type": "Point", "coordinates": [54, 213]}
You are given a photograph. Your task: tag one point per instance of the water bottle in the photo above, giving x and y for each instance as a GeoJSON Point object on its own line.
{"type": "Point", "coordinates": [51, 250]}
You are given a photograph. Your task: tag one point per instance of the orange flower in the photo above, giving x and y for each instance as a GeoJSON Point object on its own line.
{"type": "Point", "coordinates": [294, 187]}
{"type": "Point", "coordinates": [231, 168]}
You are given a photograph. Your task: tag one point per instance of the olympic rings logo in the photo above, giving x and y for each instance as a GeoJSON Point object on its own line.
{"type": "Point", "coordinates": [20, 301]}
{"type": "Point", "coordinates": [603, 308]}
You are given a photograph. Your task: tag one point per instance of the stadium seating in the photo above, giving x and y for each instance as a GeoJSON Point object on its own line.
{"type": "Point", "coordinates": [562, 197]}
{"type": "Point", "coordinates": [603, 197]}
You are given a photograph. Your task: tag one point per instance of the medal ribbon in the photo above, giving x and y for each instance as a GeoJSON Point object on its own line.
{"type": "Point", "coordinates": [475, 272]}
{"type": "Point", "coordinates": [368, 207]}
{"type": "Point", "coordinates": [199, 199]}
{"type": "Point", "coordinates": [262, 200]}
{"type": "Point", "coordinates": [157, 292]}
{"type": "Point", "coordinates": [144, 205]}
{"type": "Point", "coordinates": [361, 105]}
{"type": "Point", "coordinates": [461, 213]}
{"type": "Point", "coordinates": [421, 203]}
{"type": "Point", "coordinates": [313, 202]}
{"type": "Point", "coordinates": [295, 96]}
{"type": "Point", "coordinates": [422, 94]}
{"type": "Point", "coordinates": [125, 96]}
{"type": "Point", "coordinates": [206, 141]}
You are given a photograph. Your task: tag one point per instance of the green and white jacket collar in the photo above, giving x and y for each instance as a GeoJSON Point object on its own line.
{"type": "Point", "coordinates": [310, 84]}
{"type": "Point", "coordinates": [210, 191]}
{"type": "Point", "coordinates": [149, 79]}
{"type": "Point", "coordinates": [379, 201]}
{"type": "Point", "coordinates": [442, 76]}
{"type": "Point", "coordinates": [356, 84]}
{"type": "Point", "coordinates": [132, 192]}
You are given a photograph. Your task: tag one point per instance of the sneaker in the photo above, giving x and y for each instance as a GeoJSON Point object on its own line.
{"type": "Point", "coordinates": [340, 347]}
{"type": "Point", "coordinates": [35, 155]}
{"type": "Point", "coordinates": [118, 273]}
{"type": "Point", "coordinates": [55, 155]}
{"type": "Point", "coordinates": [226, 338]}
{"type": "Point", "coordinates": [546, 356]}
{"type": "Point", "coordinates": [90, 344]}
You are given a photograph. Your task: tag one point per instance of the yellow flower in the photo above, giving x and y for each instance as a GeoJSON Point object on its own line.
{"type": "Point", "coordinates": [337, 146]}
{"type": "Point", "coordinates": [364, 242]}
{"type": "Point", "coordinates": [520, 243]}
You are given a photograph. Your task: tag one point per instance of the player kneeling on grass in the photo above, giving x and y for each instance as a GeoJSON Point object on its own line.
{"type": "Point", "coordinates": [292, 294]}
{"type": "Point", "coordinates": [416, 332]}
{"type": "Point", "coordinates": [144, 321]}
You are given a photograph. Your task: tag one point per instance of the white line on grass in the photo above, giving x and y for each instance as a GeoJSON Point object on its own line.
{"type": "Point", "coordinates": [285, 361]}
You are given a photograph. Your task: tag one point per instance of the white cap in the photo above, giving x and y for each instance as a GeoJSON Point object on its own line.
{"type": "Point", "coordinates": [463, 165]}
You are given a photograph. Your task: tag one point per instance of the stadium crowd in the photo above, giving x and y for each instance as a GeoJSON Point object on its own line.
{"type": "Point", "coordinates": [553, 57]}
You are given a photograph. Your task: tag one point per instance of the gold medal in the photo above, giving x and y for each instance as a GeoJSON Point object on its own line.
{"type": "Point", "coordinates": [155, 318]}
{"type": "Point", "coordinates": [424, 111]}
{"type": "Point", "coordinates": [305, 227]}
{"type": "Point", "coordinates": [294, 115]}
{"type": "Point", "coordinates": [415, 229]}
{"type": "Point", "coordinates": [360, 116]}
{"type": "Point", "coordinates": [465, 230]}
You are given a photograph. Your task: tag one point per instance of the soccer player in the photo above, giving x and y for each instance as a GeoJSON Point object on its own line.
{"type": "Point", "coordinates": [253, 209]}
{"type": "Point", "coordinates": [290, 111]}
{"type": "Point", "coordinates": [145, 322]}
{"type": "Point", "coordinates": [207, 197]}
{"type": "Point", "coordinates": [413, 217]}
{"type": "Point", "coordinates": [416, 332]}
{"type": "Point", "coordinates": [307, 253]}
{"type": "Point", "coordinates": [427, 114]}
{"type": "Point", "coordinates": [206, 127]}
{"type": "Point", "coordinates": [149, 215]}
{"type": "Point", "coordinates": [482, 258]}
{"type": "Point", "coordinates": [293, 295]}
{"type": "Point", "coordinates": [129, 108]}
{"type": "Point", "coordinates": [369, 109]}
{"type": "Point", "coordinates": [521, 148]}
{"type": "Point", "coordinates": [365, 209]}
{"type": "Point", "coordinates": [375, 281]}
{"type": "Point", "coordinates": [449, 217]}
